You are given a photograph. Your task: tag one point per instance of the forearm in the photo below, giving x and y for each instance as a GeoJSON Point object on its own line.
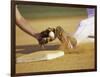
{"type": "Point", "coordinates": [23, 24]}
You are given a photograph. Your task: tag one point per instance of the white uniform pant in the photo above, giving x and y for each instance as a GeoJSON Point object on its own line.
{"type": "Point", "coordinates": [85, 29]}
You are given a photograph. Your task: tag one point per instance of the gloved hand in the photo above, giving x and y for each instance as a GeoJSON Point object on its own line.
{"type": "Point", "coordinates": [46, 36]}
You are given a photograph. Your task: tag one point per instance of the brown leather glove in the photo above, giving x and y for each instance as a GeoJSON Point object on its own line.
{"type": "Point", "coordinates": [46, 36]}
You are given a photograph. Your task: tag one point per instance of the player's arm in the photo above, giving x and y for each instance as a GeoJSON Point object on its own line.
{"type": "Point", "coordinates": [23, 24]}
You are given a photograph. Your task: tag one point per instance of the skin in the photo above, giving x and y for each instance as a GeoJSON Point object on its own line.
{"type": "Point", "coordinates": [23, 24]}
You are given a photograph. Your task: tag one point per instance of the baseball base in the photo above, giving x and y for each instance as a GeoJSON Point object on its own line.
{"type": "Point", "coordinates": [40, 56]}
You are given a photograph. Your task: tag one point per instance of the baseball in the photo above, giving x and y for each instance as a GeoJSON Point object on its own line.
{"type": "Point", "coordinates": [51, 34]}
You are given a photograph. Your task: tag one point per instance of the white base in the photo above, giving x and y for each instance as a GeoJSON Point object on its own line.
{"type": "Point", "coordinates": [40, 55]}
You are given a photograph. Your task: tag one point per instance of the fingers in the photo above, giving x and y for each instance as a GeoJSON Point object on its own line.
{"type": "Point", "coordinates": [68, 40]}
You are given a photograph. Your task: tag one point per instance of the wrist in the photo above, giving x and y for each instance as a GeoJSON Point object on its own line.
{"type": "Point", "coordinates": [37, 36]}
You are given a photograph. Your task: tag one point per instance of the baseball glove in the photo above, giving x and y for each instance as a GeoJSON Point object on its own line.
{"type": "Point", "coordinates": [45, 36]}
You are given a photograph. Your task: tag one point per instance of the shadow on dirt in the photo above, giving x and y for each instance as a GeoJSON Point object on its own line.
{"type": "Point", "coordinates": [24, 49]}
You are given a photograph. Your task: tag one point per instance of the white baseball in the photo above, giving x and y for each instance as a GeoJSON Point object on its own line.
{"type": "Point", "coordinates": [51, 34]}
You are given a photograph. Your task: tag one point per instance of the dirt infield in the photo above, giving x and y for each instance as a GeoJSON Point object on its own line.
{"type": "Point", "coordinates": [82, 57]}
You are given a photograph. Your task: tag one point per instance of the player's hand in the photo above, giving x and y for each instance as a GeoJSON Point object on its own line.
{"type": "Point", "coordinates": [46, 36]}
